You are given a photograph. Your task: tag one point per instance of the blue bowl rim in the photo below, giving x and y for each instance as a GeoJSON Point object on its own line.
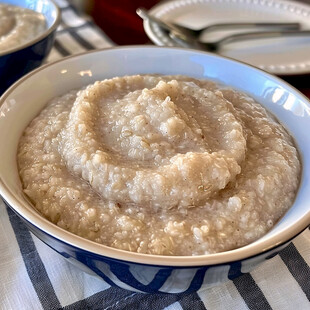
{"type": "Point", "coordinates": [37, 39]}
{"type": "Point", "coordinates": [247, 252]}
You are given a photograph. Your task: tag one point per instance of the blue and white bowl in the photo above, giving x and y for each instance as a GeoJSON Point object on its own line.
{"type": "Point", "coordinates": [16, 62]}
{"type": "Point", "coordinates": [134, 271]}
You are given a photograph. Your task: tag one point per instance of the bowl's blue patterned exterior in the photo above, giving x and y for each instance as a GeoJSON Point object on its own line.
{"type": "Point", "coordinates": [17, 62]}
{"type": "Point", "coordinates": [135, 271]}
{"type": "Point", "coordinates": [152, 278]}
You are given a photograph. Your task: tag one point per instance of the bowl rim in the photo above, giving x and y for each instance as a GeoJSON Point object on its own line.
{"type": "Point", "coordinates": [256, 248]}
{"type": "Point", "coordinates": [40, 37]}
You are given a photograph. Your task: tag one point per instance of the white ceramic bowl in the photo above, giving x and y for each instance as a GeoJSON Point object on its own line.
{"type": "Point", "coordinates": [149, 273]}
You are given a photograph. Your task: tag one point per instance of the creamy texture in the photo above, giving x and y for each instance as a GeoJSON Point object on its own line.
{"type": "Point", "coordinates": [159, 164]}
{"type": "Point", "coordinates": [18, 26]}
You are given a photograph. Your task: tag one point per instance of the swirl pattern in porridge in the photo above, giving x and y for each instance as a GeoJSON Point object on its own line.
{"type": "Point", "coordinates": [165, 165]}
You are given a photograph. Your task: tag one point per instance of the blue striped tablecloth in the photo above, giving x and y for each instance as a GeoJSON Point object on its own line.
{"type": "Point", "coordinates": [32, 276]}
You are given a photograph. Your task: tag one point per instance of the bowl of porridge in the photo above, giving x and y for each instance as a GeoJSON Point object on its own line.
{"type": "Point", "coordinates": [27, 30]}
{"type": "Point", "coordinates": [158, 169]}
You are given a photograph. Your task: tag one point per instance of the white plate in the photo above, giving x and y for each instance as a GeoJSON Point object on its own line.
{"type": "Point", "coordinates": [282, 56]}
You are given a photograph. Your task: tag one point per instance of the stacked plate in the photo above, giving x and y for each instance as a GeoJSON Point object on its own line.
{"type": "Point", "coordinates": [281, 56]}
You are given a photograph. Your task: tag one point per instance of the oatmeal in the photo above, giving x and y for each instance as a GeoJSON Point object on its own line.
{"type": "Point", "coordinates": [165, 165]}
{"type": "Point", "coordinates": [18, 26]}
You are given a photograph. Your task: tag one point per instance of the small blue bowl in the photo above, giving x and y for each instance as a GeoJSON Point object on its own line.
{"type": "Point", "coordinates": [136, 271]}
{"type": "Point", "coordinates": [16, 62]}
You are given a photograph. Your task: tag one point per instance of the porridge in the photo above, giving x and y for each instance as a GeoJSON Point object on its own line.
{"type": "Point", "coordinates": [165, 165]}
{"type": "Point", "coordinates": [18, 26]}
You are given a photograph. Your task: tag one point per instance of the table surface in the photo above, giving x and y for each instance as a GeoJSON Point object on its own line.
{"type": "Point", "coordinates": [35, 277]}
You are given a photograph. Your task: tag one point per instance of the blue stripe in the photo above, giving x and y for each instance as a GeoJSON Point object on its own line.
{"type": "Point", "coordinates": [251, 293]}
{"type": "Point", "coordinates": [121, 271]}
{"type": "Point", "coordinates": [192, 301]}
{"type": "Point", "coordinates": [119, 299]}
{"type": "Point", "coordinates": [34, 265]}
{"type": "Point", "coordinates": [92, 265]}
{"type": "Point", "coordinates": [234, 271]}
{"type": "Point", "coordinates": [60, 48]}
{"type": "Point", "coordinates": [197, 280]}
{"type": "Point", "coordinates": [86, 25]}
{"type": "Point", "coordinates": [107, 299]}
{"type": "Point", "coordinates": [299, 269]}
{"type": "Point", "coordinates": [159, 301]}
{"type": "Point", "coordinates": [87, 45]}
